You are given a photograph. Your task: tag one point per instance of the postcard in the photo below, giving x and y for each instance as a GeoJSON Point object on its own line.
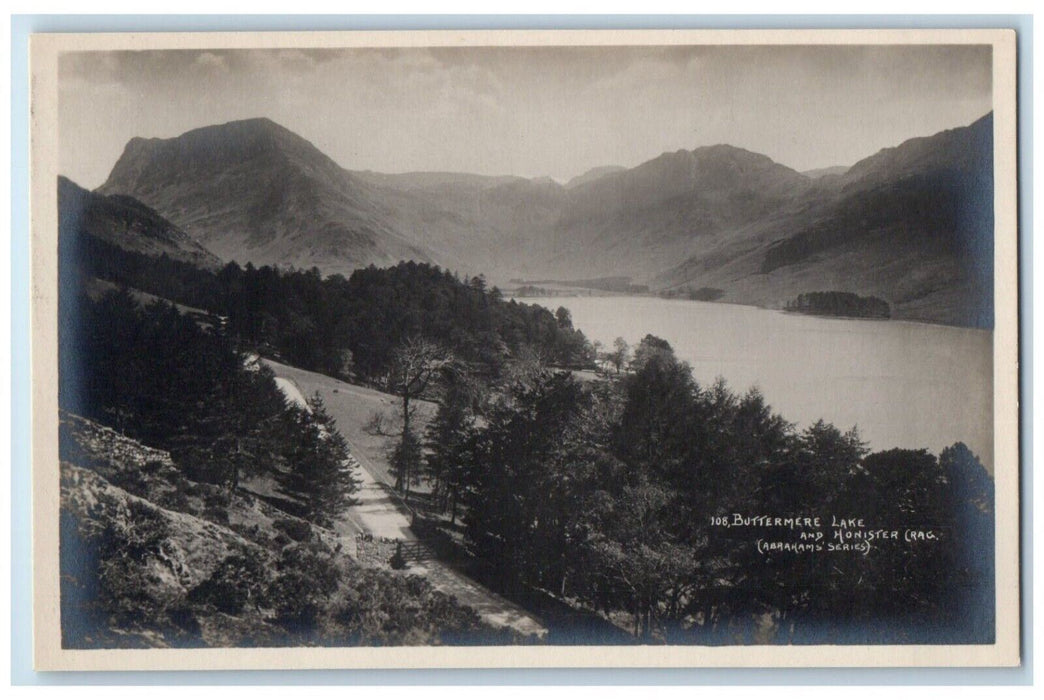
{"type": "Point", "coordinates": [525, 349]}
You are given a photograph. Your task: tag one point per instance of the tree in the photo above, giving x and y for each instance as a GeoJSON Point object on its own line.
{"type": "Point", "coordinates": [620, 355]}
{"type": "Point", "coordinates": [446, 439]}
{"type": "Point", "coordinates": [240, 429]}
{"type": "Point", "coordinates": [659, 401]}
{"type": "Point", "coordinates": [971, 590]}
{"type": "Point", "coordinates": [318, 473]}
{"type": "Point", "coordinates": [564, 318]}
{"type": "Point", "coordinates": [519, 479]}
{"type": "Point", "coordinates": [406, 459]}
{"type": "Point", "coordinates": [347, 368]}
{"type": "Point", "coordinates": [416, 364]}
{"type": "Point", "coordinates": [632, 562]}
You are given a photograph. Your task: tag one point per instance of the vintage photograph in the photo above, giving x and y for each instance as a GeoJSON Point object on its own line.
{"type": "Point", "coordinates": [527, 342]}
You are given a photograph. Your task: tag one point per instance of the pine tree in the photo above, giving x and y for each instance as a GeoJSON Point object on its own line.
{"type": "Point", "coordinates": [447, 436]}
{"type": "Point", "coordinates": [319, 473]}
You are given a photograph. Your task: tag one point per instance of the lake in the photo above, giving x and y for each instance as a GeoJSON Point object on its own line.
{"type": "Point", "coordinates": [903, 384]}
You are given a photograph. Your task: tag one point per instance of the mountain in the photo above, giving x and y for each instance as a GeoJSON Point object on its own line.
{"type": "Point", "coordinates": [125, 223]}
{"type": "Point", "coordinates": [253, 191]}
{"type": "Point", "coordinates": [817, 173]}
{"type": "Point", "coordinates": [593, 174]}
{"type": "Point", "coordinates": [475, 224]}
{"type": "Point", "coordinates": [912, 225]}
{"type": "Point", "coordinates": [641, 221]}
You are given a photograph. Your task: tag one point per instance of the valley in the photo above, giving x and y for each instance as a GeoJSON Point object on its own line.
{"type": "Point", "coordinates": [911, 225]}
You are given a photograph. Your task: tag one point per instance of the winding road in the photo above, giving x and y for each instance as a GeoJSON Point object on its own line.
{"type": "Point", "coordinates": [378, 511]}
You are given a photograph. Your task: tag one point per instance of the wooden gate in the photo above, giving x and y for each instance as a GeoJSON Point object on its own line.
{"type": "Point", "coordinates": [416, 551]}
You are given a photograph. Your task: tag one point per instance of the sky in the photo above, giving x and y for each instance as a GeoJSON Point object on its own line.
{"type": "Point", "coordinates": [527, 111]}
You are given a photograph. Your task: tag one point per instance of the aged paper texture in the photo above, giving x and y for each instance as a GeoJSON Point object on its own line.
{"type": "Point", "coordinates": [864, 211]}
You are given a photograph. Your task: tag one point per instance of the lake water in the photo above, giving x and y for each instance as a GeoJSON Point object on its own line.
{"type": "Point", "coordinates": [903, 384]}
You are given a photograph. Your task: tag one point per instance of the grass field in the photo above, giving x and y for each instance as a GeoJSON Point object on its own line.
{"type": "Point", "coordinates": [352, 407]}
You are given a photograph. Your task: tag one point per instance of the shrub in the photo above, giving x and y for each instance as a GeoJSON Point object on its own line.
{"type": "Point", "coordinates": [153, 466]}
{"type": "Point", "coordinates": [173, 500]}
{"type": "Point", "coordinates": [297, 530]}
{"type": "Point", "coordinates": [131, 481]}
{"type": "Point", "coordinates": [250, 532]}
{"type": "Point", "coordinates": [237, 581]}
{"type": "Point", "coordinates": [216, 515]}
{"type": "Point", "coordinates": [216, 506]}
{"type": "Point", "coordinates": [196, 465]}
{"type": "Point", "coordinates": [216, 499]}
{"type": "Point", "coordinates": [299, 594]}
{"type": "Point", "coordinates": [192, 488]}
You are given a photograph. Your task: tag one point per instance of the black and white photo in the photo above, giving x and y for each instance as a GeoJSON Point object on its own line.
{"type": "Point", "coordinates": [461, 348]}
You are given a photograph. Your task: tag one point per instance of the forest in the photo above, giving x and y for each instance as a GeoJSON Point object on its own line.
{"type": "Point", "coordinates": [608, 492]}
{"type": "Point", "coordinates": [348, 327]}
{"type": "Point", "coordinates": [612, 495]}
{"type": "Point", "coordinates": [273, 474]}
{"type": "Point", "coordinates": [155, 376]}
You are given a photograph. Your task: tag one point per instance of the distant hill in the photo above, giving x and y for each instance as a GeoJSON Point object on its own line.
{"type": "Point", "coordinates": [593, 174]}
{"type": "Point", "coordinates": [817, 173]}
{"type": "Point", "coordinates": [125, 223]}
{"type": "Point", "coordinates": [641, 221]}
{"type": "Point", "coordinates": [911, 224]}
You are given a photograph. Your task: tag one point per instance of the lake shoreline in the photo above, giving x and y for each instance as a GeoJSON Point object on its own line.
{"type": "Point", "coordinates": [903, 383]}
{"type": "Point", "coordinates": [596, 294]}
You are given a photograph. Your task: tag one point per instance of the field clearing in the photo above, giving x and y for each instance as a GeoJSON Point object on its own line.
{"type": "Point", "coordinates": [352, 407]}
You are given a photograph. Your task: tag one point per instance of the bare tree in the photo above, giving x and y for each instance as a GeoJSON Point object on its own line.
{"type": "Point", "coordinates": [416, 364]}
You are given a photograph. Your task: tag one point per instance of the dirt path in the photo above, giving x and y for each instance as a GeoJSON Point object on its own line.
{"type": "Point", "coordinates": [379, 512]}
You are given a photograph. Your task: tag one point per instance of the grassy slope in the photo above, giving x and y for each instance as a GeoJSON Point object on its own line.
{"type": "Point", "coordinates": [352, 406]}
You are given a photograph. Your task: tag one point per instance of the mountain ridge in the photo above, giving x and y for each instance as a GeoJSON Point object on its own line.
{"type": "Point", "coordinates": [126, 223]}
{"type": "Point", "coordinates": [715, 216]}
{"type": "Point", "coordinates": [911, 224]}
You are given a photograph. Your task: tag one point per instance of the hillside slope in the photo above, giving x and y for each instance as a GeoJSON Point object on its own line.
{"type": "Point", "coordinates": [126, 223]}
{"type": "Point", "coordinates": [253, 191]}
{"type": "Point", "coordinates": [152, 559]}
{"type": "Point", "coordinates": [641, 221]}
{"type": "Point", "coordinates": [912, 225]}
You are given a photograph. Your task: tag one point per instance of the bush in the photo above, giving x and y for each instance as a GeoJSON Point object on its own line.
{"type": "Point", "coordinates": [250, 532]}
{"type": "Point", "coordinates": [237, 581]}
{"type": "Point", "coordinates": [153, 466]}
{"type": "Point", "coordinates": [192, 489]}
{"type": "Point", "coordinates": [216, 515]}
{"type": "Point", "coordinates": [216, 507]}
{"type": "Point", "coordinates": [297, 530]}
{"type": "Point", "coordinates": [299, 594]}
{"type": "Point", "coordinates": [216, 499]}
{"type": "Point", "coordinates": [173, 500]}
{"type": "Point", "coordinates": [196, 465]}
{"type": "Point", "coordinates": [131, 481]}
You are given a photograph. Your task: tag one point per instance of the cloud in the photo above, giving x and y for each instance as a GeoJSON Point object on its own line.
{"type": "Point", "coordinates": [529, 110]}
